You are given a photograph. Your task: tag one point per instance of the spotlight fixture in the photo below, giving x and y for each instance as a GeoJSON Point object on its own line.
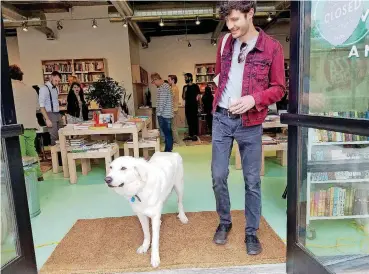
{"type": "Point", "coordinates": [197, 21]}
{"type": "Point", "coordinates": [59, 26]}
{"type": "Point", "coordinates": [214, 42]}
{"type": "Point", "coordinates": [24, 26]}
{"type": "Point", "coordinates": [125, 22]}
{"type": "Point", "coordinates": [94, 23]}
{"type": "Point", "coordinates": [287, 39]}
{"type": "Point", "coordinates": [189, 44]}
{"type": "Point", "coordinates": [161, 23]}
{"type": "Point", "coordinates": [269, 17]}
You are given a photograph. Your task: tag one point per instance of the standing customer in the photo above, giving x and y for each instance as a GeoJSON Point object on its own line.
{"type": "Point", "coordinates": [172, 79]}
{"type": "Point", "coordinates": [207, 101]}
{"type": "Point", "coordinates": [77, 110]}
{"type": "Point", "coordinates": [49, 104]}
{"type": "Point", "coordinates": [251, 80]}
{"type": "Point", "coordinates": [191, 95]}
{"type": "Point", "coordinates": [26, 105]}
{"type": "Point", "coordinates": [164, 109]}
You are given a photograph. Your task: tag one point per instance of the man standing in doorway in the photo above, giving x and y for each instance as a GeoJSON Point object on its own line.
{"type": "Point", "coordinates": [49, 105]}
{"type": "Point", "coordinates": [191, 95]}
{"type": "Point", "coordinates": [251, 80]}
{"type": "Point", "coordinates": [164, 109]}
{"type": "Point", "coordinates": [172, 80]}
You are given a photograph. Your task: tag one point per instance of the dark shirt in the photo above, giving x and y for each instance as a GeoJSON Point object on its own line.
{"type": "Point", "coordinates": [190, 94]}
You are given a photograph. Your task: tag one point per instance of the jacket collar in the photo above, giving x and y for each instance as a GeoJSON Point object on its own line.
{"type": "Point", "coordinates": [260, 42]}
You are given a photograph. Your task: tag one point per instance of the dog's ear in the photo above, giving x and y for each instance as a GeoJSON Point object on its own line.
{"type": "Point", "coordinates": [142, 172]}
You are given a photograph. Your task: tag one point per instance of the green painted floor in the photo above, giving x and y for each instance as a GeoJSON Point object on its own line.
{"type": "Point", "coordinates": [63, 204]}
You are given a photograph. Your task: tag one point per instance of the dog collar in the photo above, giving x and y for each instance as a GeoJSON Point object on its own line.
{"type": "Point", "coordinates": [133, 198]}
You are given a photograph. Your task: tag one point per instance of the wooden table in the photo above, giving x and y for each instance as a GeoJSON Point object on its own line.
{"type": "Point", "coordinates": [70, 131]}
{"type": "Point", "coordinates": [280, 148]}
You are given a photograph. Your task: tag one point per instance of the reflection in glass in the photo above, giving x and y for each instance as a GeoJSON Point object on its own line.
{"type": "Point", "coordinates": [339, 66]}
{"type": "Point", "coordinates": [9, 240]}
{"type": "Point", "coordinates": [334, 198]}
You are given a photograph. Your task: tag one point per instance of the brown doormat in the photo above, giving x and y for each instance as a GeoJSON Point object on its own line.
{"type": "Point", "coordinates": [109, 245]}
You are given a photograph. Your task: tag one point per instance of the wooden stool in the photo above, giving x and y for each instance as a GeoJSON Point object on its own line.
{"type": "Point", "coordinates": [85, 157]}
{"type": "Point", "coordinates": [54, 157]}
{"type": "Point", "coordinates": [145, 145]}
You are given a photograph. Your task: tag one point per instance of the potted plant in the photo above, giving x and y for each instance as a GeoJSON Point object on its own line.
{"type": "Point", "coordinates": [107, 93]}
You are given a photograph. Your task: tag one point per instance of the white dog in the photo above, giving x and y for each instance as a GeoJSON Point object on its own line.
{"type": "Point", "coordinates": [147, 185]}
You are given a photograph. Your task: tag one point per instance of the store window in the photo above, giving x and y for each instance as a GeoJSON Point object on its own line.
{"type": "Point", "coordinates": [334, 190]}
{"type": "Point", "coordinates": [339, 60]}
{"type": "Point", "coordinates": [9, 239]}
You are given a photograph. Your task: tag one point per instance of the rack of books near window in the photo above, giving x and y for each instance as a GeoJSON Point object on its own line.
{"type": "Point", "coordinates": [205, 74]}
{"type": "Point", "coordinates": [86, 71]}
{"type": "Point", "coordinates": [341, 191]}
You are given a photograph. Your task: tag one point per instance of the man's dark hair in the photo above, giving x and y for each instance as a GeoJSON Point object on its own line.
{"type": "Point", "coordinates": [15, 73]}
{"type": "Point", "coordinates": [189, 75]}
{"type": "Point", "coordinates": [174, 78]}
{"type": "Point", "coordinates": [226, 7]}
{"type": "Point", "coordinates": [56, 73]}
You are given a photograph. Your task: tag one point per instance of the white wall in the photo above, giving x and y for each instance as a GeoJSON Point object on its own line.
{"type": "Point", "coordinates": [13, 51]}
{"type": "Point", "coordinates": [280, 31]}
{"type": "Point", "coordinates": [166, 55]}
{"type": "Point", "coordinates": [78, 40]}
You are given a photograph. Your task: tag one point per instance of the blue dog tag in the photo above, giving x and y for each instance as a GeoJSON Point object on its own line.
{"type": "Point", "coordinates": [133, 199]}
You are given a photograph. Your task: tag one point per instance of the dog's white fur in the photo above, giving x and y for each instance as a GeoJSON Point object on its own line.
{"type": "Point", "coordinates": [152, 181]}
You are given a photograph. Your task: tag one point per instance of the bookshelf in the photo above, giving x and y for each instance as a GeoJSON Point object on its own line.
{"type": "Point", "coordinates": [341, 192]}
{"type": "Point", "coordinates": [86, 71]}
{"type": "Point", "coordinates": [204, 74]}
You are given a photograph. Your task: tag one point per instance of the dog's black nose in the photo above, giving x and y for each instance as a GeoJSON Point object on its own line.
{"type": "Point", "coordinates": [108, 180]}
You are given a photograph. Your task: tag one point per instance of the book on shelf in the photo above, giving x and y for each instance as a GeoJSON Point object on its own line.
{"type": "Point", "coordinates": [61, 67]}
{"type": "Point", "coordinates": [339, 175]}
{"type": "Point", "coordinates": [338, 201]}
{"type": "Point", "coordinates": [91, 66]}
{"type": "Point", "coordinates": [332, 136]}
{"type": "Point", "coordinates": [329, 153]}
{"type": "Point", "coordinates": [324, 136]}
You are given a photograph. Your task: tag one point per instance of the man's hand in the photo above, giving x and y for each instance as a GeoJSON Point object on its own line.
{"type": "Point", "coordinates": [242, 105]}
{"type": "Point", "coordinates": [48, 123]}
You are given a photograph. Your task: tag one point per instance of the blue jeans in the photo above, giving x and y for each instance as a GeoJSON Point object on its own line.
{"type": "Point", "coordinates": [225, 131]}
{"type": "Point", "coordinates": [165, 125]}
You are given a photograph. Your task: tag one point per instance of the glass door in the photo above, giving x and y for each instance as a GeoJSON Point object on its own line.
{"type": "Point", "coordinates": [17, 251]}
{"type": "Point", "coordinates": [328, 144]}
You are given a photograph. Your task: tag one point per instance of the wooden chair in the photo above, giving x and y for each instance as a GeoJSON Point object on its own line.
{"type": "Point", "coordinates": [107, 153]}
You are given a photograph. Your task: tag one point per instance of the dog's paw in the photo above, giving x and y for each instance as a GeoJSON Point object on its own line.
{"type": "Point", "coordinates": [183, 218]}
{"type": "Point", "coordinates": [155, 260]}
{"type": "Point", "coordinates": [143, 248]}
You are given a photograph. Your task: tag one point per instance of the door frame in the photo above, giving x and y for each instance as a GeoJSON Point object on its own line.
{"type": "Point", "coordinates": [299, 259]}
{"type": "Point", "coordinates": [10, 131]}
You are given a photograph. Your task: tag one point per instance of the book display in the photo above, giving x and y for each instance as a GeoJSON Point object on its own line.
{"type": "Point", "coordinates": [342, 191]}
{"type": "Point", "coordinates": [205, 74]}
{"type": "Point", "coordinates": [86, 71]}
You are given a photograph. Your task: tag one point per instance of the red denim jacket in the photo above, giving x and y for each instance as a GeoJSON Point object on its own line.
{"type": "Point", "coordinates": [263, 76]}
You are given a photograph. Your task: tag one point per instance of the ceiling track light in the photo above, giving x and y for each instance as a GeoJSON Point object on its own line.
{"type": "Point", "coordinates": [94, 23]}
{"type": "Point", "coordinates": [189, 44]}
{"type": "Point", "coordinates": [161, 23]}
{"type": "Point", "coordinates": [197, 21]}
{"type": "Point", "coordinates": [59, 25]}
{"type": "Point", "coordinates": [24, 26]}
{"type": "Point", "coordinates": [125, 23]}
{"type": "Point", "coordinates": [269, 17]}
